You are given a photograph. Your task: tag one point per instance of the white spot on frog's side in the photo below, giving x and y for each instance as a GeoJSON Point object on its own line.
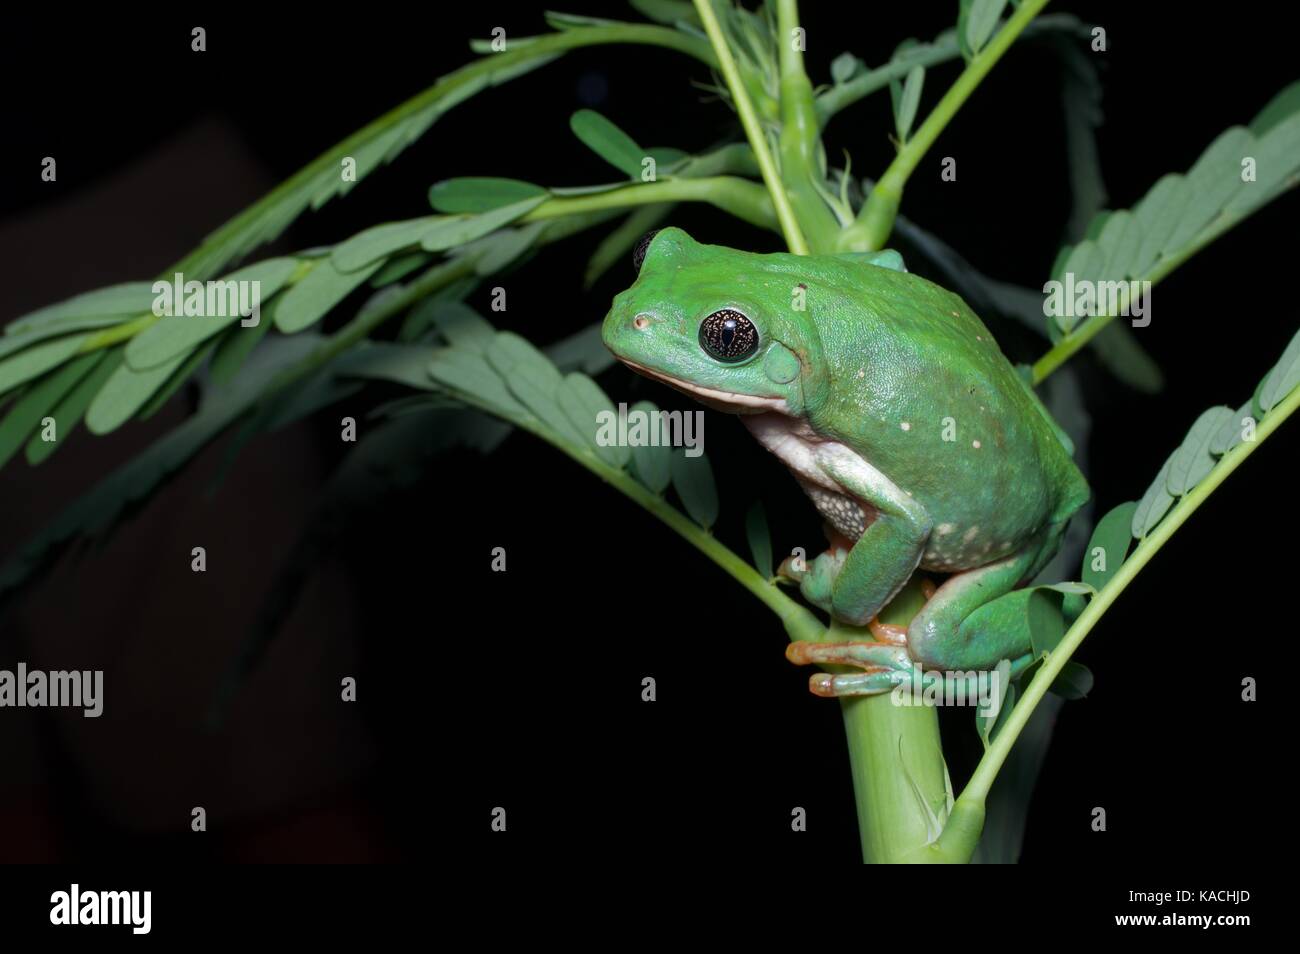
{"type": "Point", "coordinates": [862, 372]}
{"type": "Point", "coordinates": [945, 528]}
{"type": "Point", "coordinates": [905, 426]}
{"type": "Point", "coordinates": [970, 534]}
{"type": "Point", "coordinates": [975, 444]}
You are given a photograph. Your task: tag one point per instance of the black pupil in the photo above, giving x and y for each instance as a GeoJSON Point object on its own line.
{"type": "Point", "coordinates": [728, 335]}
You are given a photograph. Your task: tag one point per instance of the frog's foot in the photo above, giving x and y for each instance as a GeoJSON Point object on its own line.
{"type": "Point", "coordinates": [816, 578]}
{"type": "Point", "coordinates": [883, 666]}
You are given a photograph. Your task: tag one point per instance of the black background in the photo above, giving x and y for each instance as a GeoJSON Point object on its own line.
{"type": "Point", "coordinates": [522, 689]}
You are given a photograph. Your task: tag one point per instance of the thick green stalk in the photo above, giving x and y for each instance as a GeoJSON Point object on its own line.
{"type": "Point", "coordinates": [895, 755]}
{"type": "Point", "coordinates": [801, 137]}
{"type": "Point", "coordinates": [876, 220]}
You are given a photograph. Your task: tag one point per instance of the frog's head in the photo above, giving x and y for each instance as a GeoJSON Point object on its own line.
{"type": "Point", "coordinates": [717, 324]}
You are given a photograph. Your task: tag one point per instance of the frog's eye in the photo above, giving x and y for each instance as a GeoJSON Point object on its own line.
{"type": "Point", "coordinates": [729, 336]}
{"type": "Point", "coordinates": [642, 246]}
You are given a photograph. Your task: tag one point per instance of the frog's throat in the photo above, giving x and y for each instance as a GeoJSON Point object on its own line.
{"type": "Point", "coordinates": [726, 401]}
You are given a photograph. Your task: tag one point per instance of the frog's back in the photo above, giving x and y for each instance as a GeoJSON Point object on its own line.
{"type": "Point", "coordinates": [921, 389]}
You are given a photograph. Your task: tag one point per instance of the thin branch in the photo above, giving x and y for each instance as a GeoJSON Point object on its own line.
{"type": "Point", "coordinates": [976, 791]}
{"type": "Point", "coordinates": [876, 220]}
{"type": "Point", "coordinates": [753, 130]}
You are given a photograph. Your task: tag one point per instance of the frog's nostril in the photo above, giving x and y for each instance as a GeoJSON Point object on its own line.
{"type": "Point", "coordinates": [641, 322]}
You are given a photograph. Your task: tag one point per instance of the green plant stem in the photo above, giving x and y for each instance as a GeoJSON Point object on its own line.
{"type": "Point", "coordinates": [876, 220]}
{"type": "Point", "coordinates": [210, 256]}
{"type": "Point", "coordinates": [740, 197]}
{"type": "Point", "coordinates": [976, 791]}
{"type": "Point", "coordinates": [896, 758]}
{"type": "Point", "coordinates": [836, 98]}
{"type": "Point", "coordinates": [1064, 349]}
{"type": "Point", "coordinates": [800, 139]}
{"type": "Point", "coordinates": [794, 238]}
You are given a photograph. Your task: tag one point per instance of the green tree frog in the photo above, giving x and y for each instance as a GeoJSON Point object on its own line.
{"type": "Point", "coordinates": [898, 415]}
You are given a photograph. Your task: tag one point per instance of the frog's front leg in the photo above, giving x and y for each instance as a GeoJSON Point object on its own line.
{"type": "Point", "coordinates": [854, 586]}
{"type": "Point", "coordinates": [971, 623]}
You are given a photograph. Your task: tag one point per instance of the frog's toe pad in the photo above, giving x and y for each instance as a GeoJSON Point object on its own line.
{"type": "Point", "coordinates": [832, 686]}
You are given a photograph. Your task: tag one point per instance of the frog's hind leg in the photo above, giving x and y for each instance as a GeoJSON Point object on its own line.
{"type": "Point", "coordinates": [975, 620]}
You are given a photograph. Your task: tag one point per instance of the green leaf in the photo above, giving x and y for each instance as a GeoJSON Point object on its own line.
{"type": "Point", "coordinates": [466, 373]}
{"type": "Point", "coordinates": [583, 351]}
{"type": "Point", "coordinates": [589, 410]}
{"type": "Point", "coordinates": [176, 380]}
{"type": "Point", "coordinates": [1120, 241]}
{"type": "Point", "coordinates": [760, 539]}
{"type": "Point", "coordinates": [125, 392]}
{"type": "Point", "coordinates": [574, 21]}
{"type": "Point", "coordinates": [234, 348]}
{"type": "Point", "coordinates": [1158, 215]}
{"type": "Point", "coordinates": [1074, 681]}
{"type": "Point", "coordinates": [104, 305]}
{"type": "Point", "coordinates": [667, 11]}
{"type": "Point", "coordinates": [36, 360]}
{"type": "Point", "coordinates": [981, 21]}
{"type": "Point", "coordinates": [1285, 104]}
{"type": "Point", "coordinates": [462, 326]}
{"type": "Point", "coordinates": [175, 335]}
{"type": "Point", "coordinates": [1277, 156]}
{"type": "Point", "coordinates": [651, 464]}
{"type": "Point", "coordinates": [1230, 434]}
{"type": "Point", "coordinates": [1284, 377]}
{"type": "Point", "coordinates": [506, 246]}
{"type": "Point", "coordinates": [1155, 503]}
{"type": "Point", "coordinates": [96, 511]}
{"type": "Point", "coordinates": [844, 67]}
{"type": "Point", "coordinates": [1118, 350]}
{"type": "Point", "coordinates": [534, 380]}
{"type": "Point", "coordinates": [35, 403]}
{"type": "Point", "coordinates": [381, 241]}
{"type": "Point", "coordinates": [380, 142]}
{"type": "Point", "coordinates": [1193, 460]}
{"type": "Point", "coordinates": [1044, 620]}
{"type": "Point", "coordinates": [693, 481]}
{"type": "Point", "coordinates": [1086, 262]}
{"type": "Point", "coordinates": [988, 724]}
{"type": "Point", "coordinates": [963, 29]}
{"type": "Point", "coordinates": [68, 412]}
{"type": "Point", "coordinates": [399, 267]}
{"type": "Point", "coordinates": [458, 230]}
{"type": "Point", "coordinates": [906, 98]}
{"type": "Point", "coordinates": [1211, 182]}
{"type": "Point", "coordinates": [608, 141]}
{"type": "Point", "coordinates": [323, 287]}
{"type": "Point", "coordinates": [480, 193]}
{"type": "Point", "coordinates": [1108, 546]}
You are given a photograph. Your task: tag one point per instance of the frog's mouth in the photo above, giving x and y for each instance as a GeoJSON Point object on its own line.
{"type": "Point", "coordinates": [728, 402]}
